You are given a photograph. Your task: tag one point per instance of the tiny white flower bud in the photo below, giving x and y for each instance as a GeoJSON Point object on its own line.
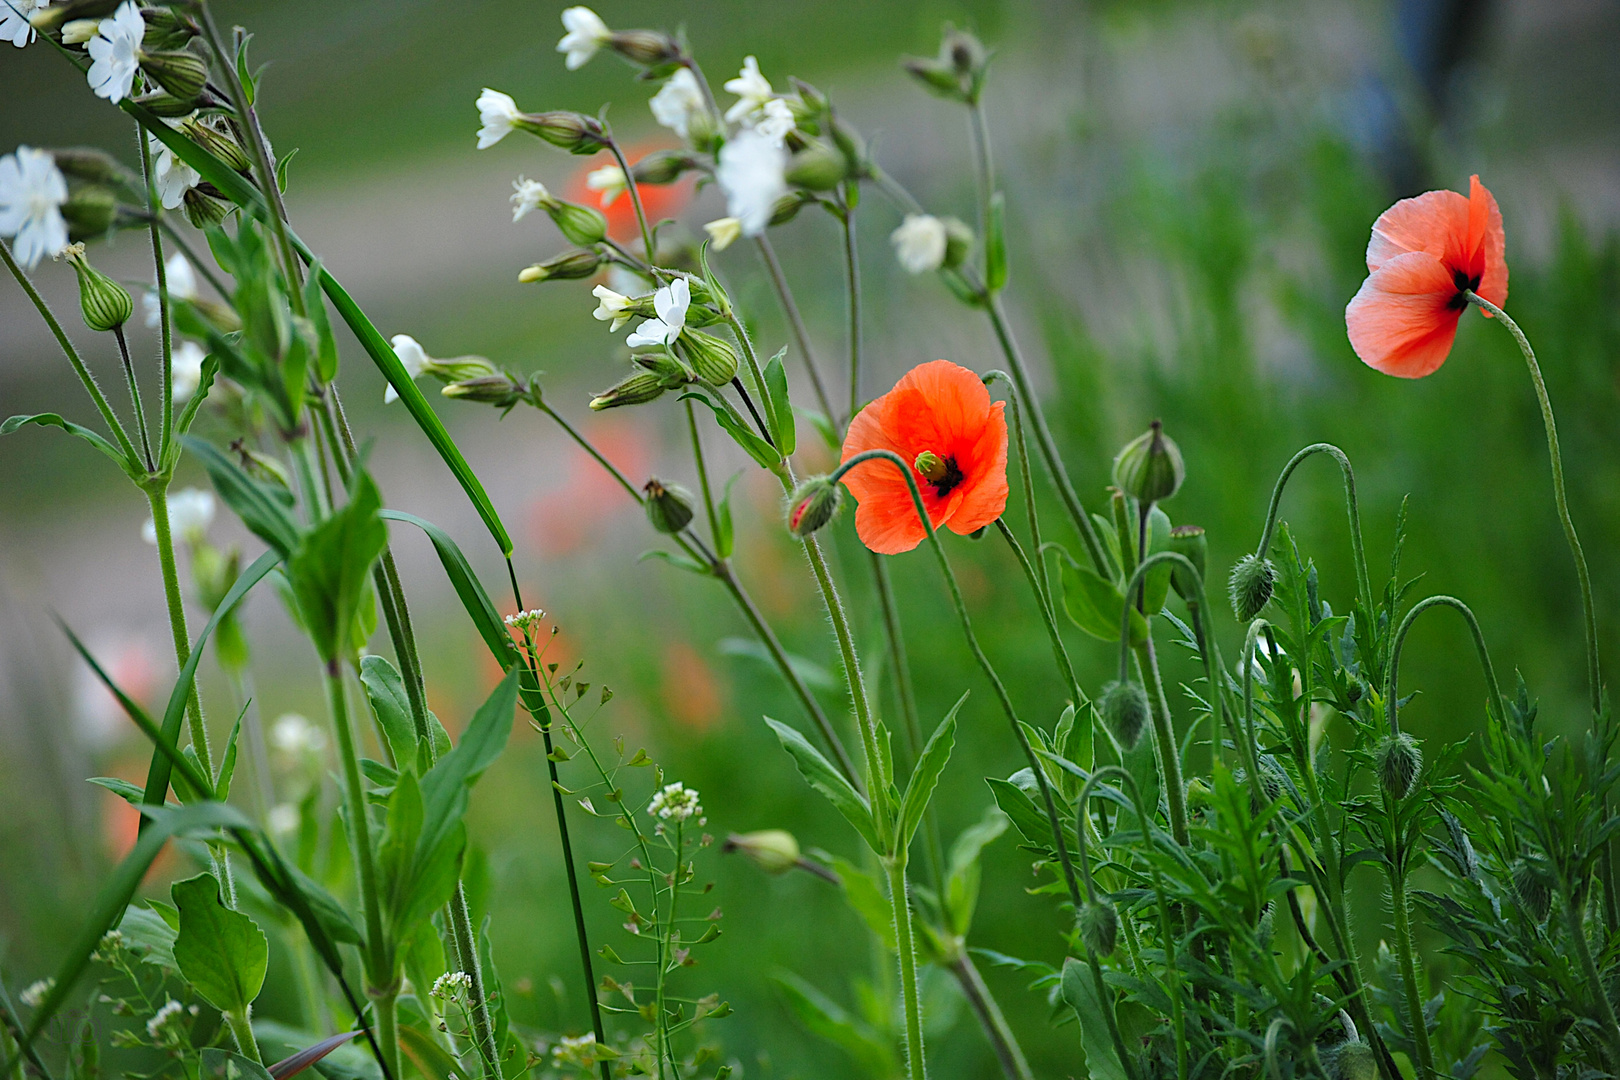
{"type": "Point", "coordinates": [723, 232]}
{"type": "Point", "coordinates": [919, 243]}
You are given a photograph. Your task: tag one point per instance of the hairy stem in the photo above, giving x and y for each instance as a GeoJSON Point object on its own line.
{"type": "Point", "coordinates": [996, 1029]}
{"type": "Point", "coordinates": [852, 279]}
{"type": "Point", "coordinates": [158, 499]}
{"type": "Point", "coordinates": [1400, 912]}
{"type": "Point", "coordinates": [899, 902]}
{"type": "Point", "coordinates": [801, 336]}
{"type": "Point", "coordinates": [155, 209]}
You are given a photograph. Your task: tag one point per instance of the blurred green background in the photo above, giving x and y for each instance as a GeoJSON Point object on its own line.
{"type": "Point", "coordinates": [1190, 187]}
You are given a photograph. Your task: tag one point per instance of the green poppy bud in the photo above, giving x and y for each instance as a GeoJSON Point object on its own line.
{"type": "Point", "coordinates": [1125, 711]}
{"type": "Point", "coordinates": [669, 506]}
{"type": "Point", "coordinates": [638, 389]}
{"type": "Point", "coordinates": [714, 361]}
{"type": "Point", "coordinates": [1531, 890]}
{"type": "Point", "coordinates": [1399, 762]}
{"type": "Point", "coordinates": [1189, 542]}
{"type": "Point", "coordinates": [772, 850]}
{"type": "Point", "coordinates": [106, 305]}
{"type": "Point", "coordinates": [569, 266]}
{"type": "Point", "coordinates": [813, 504]}
{"type": "Point", "coordinates": [1150, 468]}
{"type": "Point", "coordinates": [1098, 924]}
{"type": "Point", "coordinates": [181, 73]}
{"type": "Point", "coordinates": [818, 167]}
{"type": "Point", "coordinates": [1250, 586]}
{"type": "Point", "coordinates": [1352, 1060]}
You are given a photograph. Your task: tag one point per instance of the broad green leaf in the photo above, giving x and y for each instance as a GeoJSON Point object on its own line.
{"type": "Point", "coordinates": [930, 763]}
{"type": "Point", "coordinates": [995, 245]}
{"type": "Point", "coordinates": [821, 775]}
{"type": "Point", "coordinates": [874, 1054]}
{"type": "Point", "coordinates": [1080, 992]}
{"type": "Point", "coordinates": [1158, 577]}
{"type": "Point", "coordinates": [222, 953]}
{"type": "Point", "coordinates": [472, 595]}
{"type": "Point", "coordinates": [961, 894]}
{"type": "Point", "coordinates": [265, 509]}
{"type": "Point", "coordinates": [182, 423]}
{"type": "Point", "coordinates": [1028, 819]}
{"type": "Point", "coordinates": [220, 1064]}
{"type": "Point", "coordinates": [131, 468]}
{"type": "Point", "coordinates": [417, 879]}
{"type": "Point", "coordinates": [329, 567]}
{"type": "Point", "coordinates": [150, 936]}
{"type": "Point", "coordinates": [758, 449]}
{"type": "Point", "coordinates": [781, 408]}
{"type": "Point", "coordinates": [431, 1059]}
{"type": "Point", "coordinates": [1095, 605]}
{"type": "Point", "coordinates": [867, 898]}
{"type": "Point", "coordinates": [385, 689]}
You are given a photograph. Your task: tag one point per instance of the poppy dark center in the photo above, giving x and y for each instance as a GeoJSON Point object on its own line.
{"type": "Point", "coordinates": [948, 477]}
{"type": "Point", "coordinates": [1465, 284]}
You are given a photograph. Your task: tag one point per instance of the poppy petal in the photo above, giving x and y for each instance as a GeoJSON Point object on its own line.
{"type": "Point", "coordinates": [984, 497]}
{"type": "Point", "coordinates": [1435, 222]}
{"type": "Point", "coordinates": [885, 518]}
{"type": "Point", "coordinates": [1401, 322]}
{"type": "Point", "coordinates": [1491, 245]}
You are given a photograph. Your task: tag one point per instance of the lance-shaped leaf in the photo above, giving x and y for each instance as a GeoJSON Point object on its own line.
{"type": "Point", "coordinates": [266, 509]}
{"type": "Point", "coordinates": [472, 595]}
{"type": "Point", "coordinates": [222, 953]}
{"type": "Point", "coordinates": [329, 568]}
{"type": "Point", "coordinates": [924, 778]}
{"type": "Point", "coordinates": [48, 419]}
{"type": "Point", "coordinates": [821, 775]}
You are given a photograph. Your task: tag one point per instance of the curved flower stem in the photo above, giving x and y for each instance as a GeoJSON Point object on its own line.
{"type": "Point", "coordinates": [109, 417]}
{"type": "Point", "coordinates": [1060, 652]}
{"type": "Point", "coordinates": [1363, 581]}
{"type": "Point", "coordinates": [852, 279]}
{"type": "Point", "coordinates": [155, 209]}
{"type": "Point", "coordinates": [1577, 931]}
{"type": "Point", "coordinates": [1026, 477]}
{"type": "Point", "coordinates": [1002, 1040]}
{"type": "Point", "coordinates": [790, 309]}
{"type": "Point", "coordinates": [634, 189]}
{"type": "Point", "coordinates": [1495, 706]}
{"type": "Point", "coordinates": [1594, 677]}
{"type": "Point", "coordinates": [978, 654]}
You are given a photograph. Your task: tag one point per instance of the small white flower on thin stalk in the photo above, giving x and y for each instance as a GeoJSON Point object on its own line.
{"type": "Point", "coordinates": [415, 359]}
{"type": "Point", "coordinates": [32, 192]}
{"type": "Point", "coordinates": [182, 281]}
{"type": "Point", "coordinates": [159, 1027]}
{"type": "Point", "coordinates": [115, 53]}
{"type": "Point", "coordinates": [675, 802]}
{"type": "Point", "coordinates": [723, 232]}
{"type": "Point", "coordinates": [670, 302]}
{"type": "Point", "coordinates": [586, 33]}
{"type": "Point", "coordinates": [79, 31]}
{"type": "Point", "coordinates": [498, 114]}
{"type": "Point", "coordinates": [14, 16]}
{"type": "Point", "coordinates": [752, 90]}
{"type": "Point", "coordinates": [172, 176]}
{"type": "Point", "coordinates": [680, 99]}
{"type": "Point", "coordinates": [34, 993]}
{"type": "Point", "coordinates": [451, 984]}
{"type": "Point", "coordinates": [751, 174]}
{"type": "Point", "coordinates": [609, 180]}
{"type": "Point", "coordinates": [612, 306]}
{"type": "Point", "coordinates": [919, 243]}
{"type": "Point", "coordinates": [185, 370]}
{"type": "Point", "coordinates": [527, 195]}
{"type": "Point", "coordinates": [191, 510]}
{"type": "Point", "coordinates": [526, 620]}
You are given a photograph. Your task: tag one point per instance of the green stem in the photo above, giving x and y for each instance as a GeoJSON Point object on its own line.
{"type": "Point", "coordinates": [1357, 551]}
{"type": "Point", "coordinates": [109, 417]}
{"type": "Point", "coordinates": [135, 398]}
{"type": "Point", "coordinates": [1401, 914]}
{"type": "Point", "coordinates": [1164, 736]}
{"type": "Point", "coordinates": [1060, 652]}
{"type": "Point", "coordinates": [242, 1031]}
{"type": "Point", "coordinates": [157, 498]}
{"type": "Point", "coordinates": [1594, 980]}
{"type": "Point", "coordinates": [1494, 700]}
{"type": "Point", "coordinates": [466, 946]}
{"type": "Point", "coordinates": [634, 189]}
{"type": "Point", "coordinates": [703, 477]}
{"type": "Point", "coordinates": [1594, 677]}
{"type": "Point", "coordinates": [852, 279]}
{"type": "Point", "coordinates": [1002, 1040]}
{"type": "Point", "coordinates": [166, 415]}
{"type": "Point", "coordinates": [801, 336]}
{"type": "Point", "coordinates": [916, 1062]}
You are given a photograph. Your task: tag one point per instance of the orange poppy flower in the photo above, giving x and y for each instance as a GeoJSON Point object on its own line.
{"type": "Point", "coordinates": [1424, 252]}
{"type": "Point", "coordinates": [938, 408]}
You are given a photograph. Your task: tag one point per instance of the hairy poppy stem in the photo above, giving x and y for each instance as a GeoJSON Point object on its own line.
{"type": "Point", "coordinates": [1352, 508]}
{"type": "Point", "coordinates": [1594, 678]}
{"type": "Point", "coordinates": [790, 309]}
{"type": "Point", "coordinates": [1497, 708]}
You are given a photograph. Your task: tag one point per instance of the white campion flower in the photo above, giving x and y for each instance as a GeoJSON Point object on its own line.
{"type": "Point", "coordinates": [723, 232]}
{"type": "Point", "coordinates": [293, 733]}
{"type": "Point", "coordinates": [752, 90]}
{"type": "Point", "coordinates": [413, 356]}
{"type": "Point", "coordinates": [775, 120]}
{"type": "Point", "coordinates": [172, 176]}
{"type": "Point", "coordinates": [677, 101]}
{"type": "Point", "coordinates": [115, 52]}
{"type": "Point", "coordinates": [919, 243]}
{"type": "Point", "coordinates": [612, 306]}
{"type": "Point", "coordinates": [586, 33]}
{"type": "Point", "coordinates": [79, 31]}
{"type": "Point", "coordinates": [675, 802]}
{"type": "Point", "coordinates": [498, 114]}
{"type": "Point", "coordinates": [14, 16]}
{"type": "Point", "coordinates": [670, 302]}
{"type": "Point", "coordinates": [32, 192]}
{"type": "Point", "coordinates": [185, 370]}
{"type": "Point", "coordinates": [182, 281]}
{"type": "Point", "coordinates": [527, 195]}
{"type": "Point", "coordinates": [751, 174]}
{"type": "Point", "coordinates": [191, 510]}
{"type": "Point", "coordinates": [609, 180]}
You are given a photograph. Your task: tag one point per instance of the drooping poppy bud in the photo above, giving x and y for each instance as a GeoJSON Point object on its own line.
{"type": "Point", "coordinates": [1098, 924]}
{"type": "Point", "coordinates": [1125, 711]}
{"type": "Point", "coordinates": [1250, 586]}
{"type": "Point", "coordinates": [812, 505]}
{"type": "Point", "coordinates": [669, 506]}
{"type": "Point", "coordinates": [1399, 762]}
{"type": "Point", "coordinates": [1352, 1060]}
{"type": "Point", "coordinates": [1150, 468]}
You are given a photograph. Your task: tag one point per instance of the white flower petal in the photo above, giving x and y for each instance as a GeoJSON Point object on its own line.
{"type": "Point", "coordinates": [586, 34]}
{"type": "Point", "coordinates": [677, 101]}
{"type": "Point", "coordinates": [919, 243]}
{"type": "Point", "coordinates": [751, 174]}
{"type": "Point", "coordinates": [497, 112]}
{"type": "Point", "coordinates": [32, 192]}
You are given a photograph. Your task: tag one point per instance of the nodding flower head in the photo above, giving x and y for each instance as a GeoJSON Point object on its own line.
{"type": "Point", "coordinates": [1098, 924]}
{"type": "Point", "coordinates": [812, 505]}
{"type": "Point", "coordinates": [1125, 711]}
{"type": "Point", "coordinates": [1250, 586]}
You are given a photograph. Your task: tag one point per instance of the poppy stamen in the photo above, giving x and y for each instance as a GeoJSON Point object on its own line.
{"type": "Point", "coordinates": [943, 473]}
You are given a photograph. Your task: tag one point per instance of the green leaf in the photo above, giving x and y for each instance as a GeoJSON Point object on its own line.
{"type": "Point", "coordinates": [1080, 991]}
{"type": "Point", "coordinates": [472, 595]}
{"type": "Point", "coordinates": [1095, 605]}
{"type": "Point", "coordinates": [124, 789]}
{"type": "Point", "coordinates": [1158, 578]}
{"type": "Point", "coordinates": [1015, 802]}
{"type": "Point", "coordinates": [431, 1059]}
{"type": "Point", "coordinates": [780, 407]}
{"type": "Point", "coordinates": [329, 567]}
{"type": "Point", "coordinates": [227, 763]}
{"type": "Point", "coordinates": [386, 691]}
{"type": "Point", "coordinates": [182, 424]}
{"type": "Point", "coordinates": [222, 953]}
{"type": "Point", "coordinates": [809, 672]}
{"type": "Point", "coordinates": [150, 936]}
{"type": "Point", "coordinates": [866, 897]}
{"type": "Point", "coordinates": [874, 1054]}
{"type": "Point", "coordinates": [821, 775]}
{"type": "Point", "coordinates": [265, 509]}
{"type": "Point", "coordinates": [920, 788]}
{"type": "Point", "coordinates": [326, 351]}
{"type": "Point", "coordinates": [131, 468]}
{"type": "Point", "coordinates": [758, 449]}
{"type": "Point", "coordinates": [725, 533]}
{"type": "Point", "coordinates": [961, 894]}
{"type": "Point", "coordinates": [291, 1066]}
{"type": "Point", "coordinates": [995, 246]}
{"type": "Point", "coordinates": [680, 562]}
{"type": "Point", "coordinates": [220, 1064]}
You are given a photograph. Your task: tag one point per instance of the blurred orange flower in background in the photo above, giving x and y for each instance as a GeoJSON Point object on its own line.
{"type": "Point", "coordinates": [691, 692]}
{"type": "Point", "coordinates": [942, 409]}
{"type": "Point", "coordinates": [600, 184]}
{"type": "Point", "coordinates": [1424, 253]}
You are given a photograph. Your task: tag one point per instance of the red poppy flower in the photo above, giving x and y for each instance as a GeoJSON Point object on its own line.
{"type": "Point", "coordinates": [942, 409]}
{"type": "Point", "coordinates": [1424, 252]}
{"type": "Point", "coordinates": [659, 201]}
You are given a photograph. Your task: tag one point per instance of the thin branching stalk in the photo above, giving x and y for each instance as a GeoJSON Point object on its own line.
{"type": "Point", "coordinates": [135, 398]}
{"type": "Point", "coordinates": [852, 282]}
{"type": "Point", "coordinates": [1496, 707]}
{"type": "Point", "coordinates": [165, 334]}
{"type": "Point", "coordinates": [158, 499]}
{"type": "Point", "coordinates": [634, 189]}
{"type": "Point", "coordinates": [795, 321]}
{"type": "Point", "coordinates": [1060, 652]}
{"type": "Point", "coordinates": [1002, 1040]}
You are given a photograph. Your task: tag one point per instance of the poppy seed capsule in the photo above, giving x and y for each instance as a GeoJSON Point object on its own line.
{"type": "Point", "coordinates": [106, 305]}
{"type": "Point", "coordinates": [1189, 542]}
{"type": "Point", "coordinates": [669, 506]}
{"type": "Point", "coordinates": [1399, 762]}
{"type": "Point", "coordinates": [1098, 924]}
{"type": "Point", "coordinates": [1352, 1060]}
{"type": "Point", "coordinates": [714, 361]}
{"type": "Point", "coordinates": [815, 503]}
{"type": "Point", "coordinates": [1125, 711]}
{"type": "Point", "coordinates": [181, 73]}
{"type": "Point", "coordinates": [1149, 468]}
{"type": "Point", "coordinates": [1250, 586]}
{"type": "Point", "coordinates": [774, 851]}
{"type": "Point", "coordinates": [1531, 890]}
